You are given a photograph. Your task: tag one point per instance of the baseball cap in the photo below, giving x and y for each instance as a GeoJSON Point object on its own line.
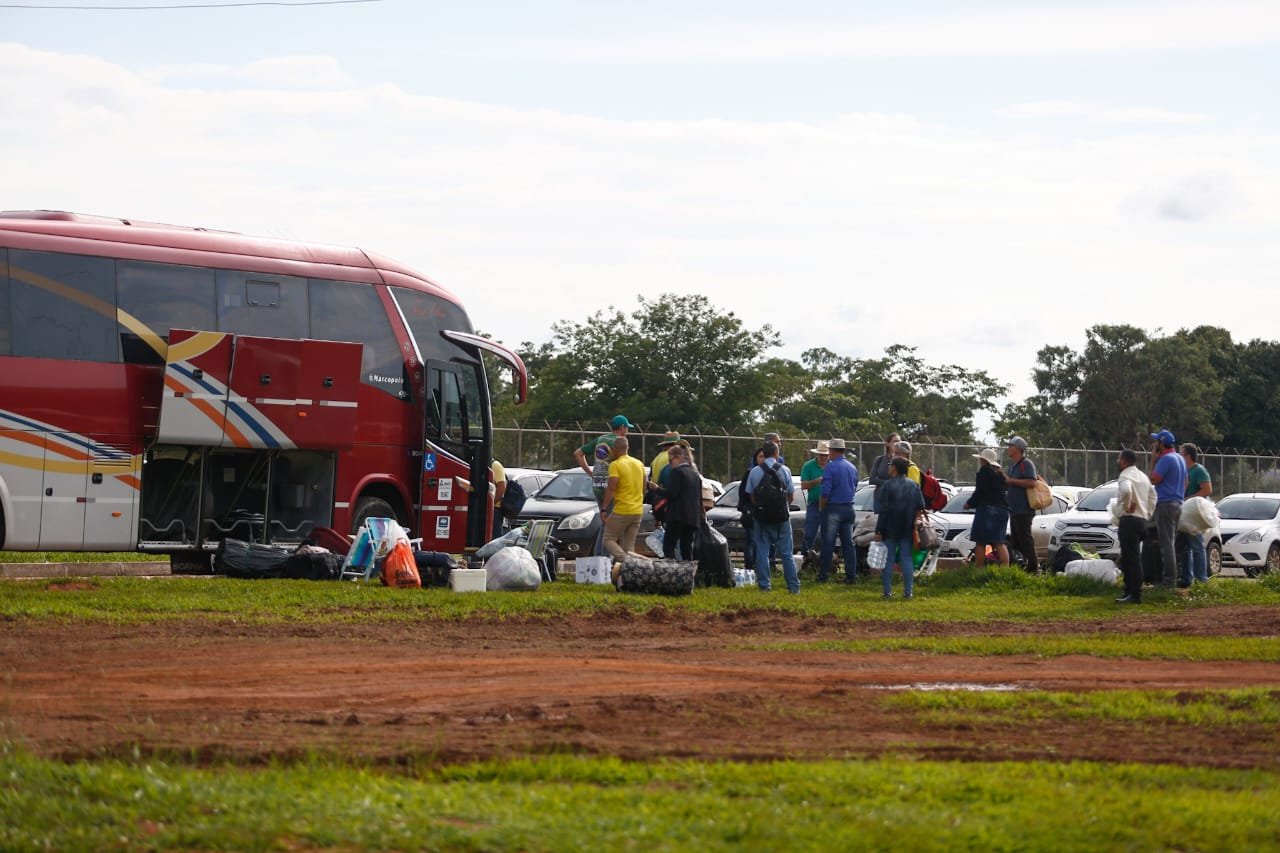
{"type": "Point", "coordinates": [1165, 437]}
{"type": "Point", "coordinates": [1018, 442]}
{"type": "Point", "coordinates": [621, 421]}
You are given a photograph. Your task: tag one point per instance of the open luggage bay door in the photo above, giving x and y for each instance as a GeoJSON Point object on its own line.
{"type": "Point", "coordinates": [224, 390]}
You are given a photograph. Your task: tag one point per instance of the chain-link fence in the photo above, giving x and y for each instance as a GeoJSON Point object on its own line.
{"type": "Point", "coordinates": [725, 457]}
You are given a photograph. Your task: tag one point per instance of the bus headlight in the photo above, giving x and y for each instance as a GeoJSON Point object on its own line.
{"type": "Point", "coordinates": [578, 520]}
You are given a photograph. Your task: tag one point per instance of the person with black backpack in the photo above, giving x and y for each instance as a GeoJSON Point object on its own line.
{"type": "Point", "coordinates": [770, 486]}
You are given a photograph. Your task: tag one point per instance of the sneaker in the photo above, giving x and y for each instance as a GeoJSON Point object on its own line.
{"type": "Point", "coordinates": [1128, 599]}
{"type": "Point", "coordinates": [887, 595]}
{"type": "Point", "coordinates": [909, 595]}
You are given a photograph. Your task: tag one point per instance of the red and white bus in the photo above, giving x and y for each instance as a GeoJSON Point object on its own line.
{"type": "Point", "coordinates": [163, 388]}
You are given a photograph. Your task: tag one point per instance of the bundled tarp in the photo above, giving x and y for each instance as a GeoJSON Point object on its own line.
{"type": "Point", "coordinates": [252, 560]}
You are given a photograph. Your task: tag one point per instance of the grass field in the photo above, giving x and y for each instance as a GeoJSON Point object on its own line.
{"type": "Point", "coordinates": [163, 801]}
{"type": "Point", "coordinates": [962, 595]}
{"type": "Point", "coordinates": [605, 804]}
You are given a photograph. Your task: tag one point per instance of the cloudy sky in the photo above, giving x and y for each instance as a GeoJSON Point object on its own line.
{"type": "Point", "coordinates": [973, 179]}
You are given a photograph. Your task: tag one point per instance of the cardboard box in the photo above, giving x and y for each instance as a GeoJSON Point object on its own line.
{"type": "Point", "coordinates": [468, 580]}
{"type": "Point", "coordinates": [593, 570]}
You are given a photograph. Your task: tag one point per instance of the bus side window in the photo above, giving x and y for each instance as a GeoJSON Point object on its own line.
{"type": "Point", "coordinates": [346, 311]}
{"type": "Point", "coordinates": [4, 301]}
{"type": "Point", "coordinates": [161, 297]}
{"type": "Point", "coordinates": [67, 304]}
{"type": "Point", "coordinates": [266, 306]}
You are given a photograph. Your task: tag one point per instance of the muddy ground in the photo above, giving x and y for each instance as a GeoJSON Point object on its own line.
{"type": "Point", "coordinates": [637, 686]}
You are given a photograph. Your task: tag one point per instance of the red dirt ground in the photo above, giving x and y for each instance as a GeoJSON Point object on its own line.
{"type": "Point", "coordinates": [665, 683]}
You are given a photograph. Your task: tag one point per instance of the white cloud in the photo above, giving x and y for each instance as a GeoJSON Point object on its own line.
{"type": "Point", "coordinates": [1095, 112]}
{"type": "Point", "coordinates": [820, 228]}
{"type": "Point", "coordinates": [287, 72]}
{"type": "Point", "coordinates": [1066, 29]}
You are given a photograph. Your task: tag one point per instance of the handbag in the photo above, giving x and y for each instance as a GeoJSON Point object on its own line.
{"type": "Point", "coordinates": [1039, 496]}
{"type": "Point", "coordinates": [924, 536]}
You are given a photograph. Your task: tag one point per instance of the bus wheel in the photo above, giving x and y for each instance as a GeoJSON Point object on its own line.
{"type": "Point", "coordinates": [370, 508]}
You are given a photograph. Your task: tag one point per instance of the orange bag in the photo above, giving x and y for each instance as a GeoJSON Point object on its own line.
{"type": "Point", "coordinates": [400, 569]}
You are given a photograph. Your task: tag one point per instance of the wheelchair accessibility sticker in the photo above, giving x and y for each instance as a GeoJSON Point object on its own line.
{"type": "Point", "coordinates": [429, 462]}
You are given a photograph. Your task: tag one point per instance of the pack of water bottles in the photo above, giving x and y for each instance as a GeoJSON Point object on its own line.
{"type": "Point", "coordinates": [744, 577]}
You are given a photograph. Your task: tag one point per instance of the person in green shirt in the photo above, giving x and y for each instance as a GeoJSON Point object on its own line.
{"type": "Point", "coordinates": [594, 456]}
{"type": "Point", "coordinates": [1194, 566]}
{"type": "Point", "coordinates": [811, 479]}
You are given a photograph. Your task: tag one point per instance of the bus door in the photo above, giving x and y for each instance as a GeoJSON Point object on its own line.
{"type": "Point", "coordinates": [446, 459]}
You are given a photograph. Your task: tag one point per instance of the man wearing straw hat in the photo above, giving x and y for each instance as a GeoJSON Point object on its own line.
{"type": "Point", "coordinates": [839, 482]}
{"type": "Point", "coordinates": [811, 479]}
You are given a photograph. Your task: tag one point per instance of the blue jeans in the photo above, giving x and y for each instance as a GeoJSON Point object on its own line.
{"type": "Point", "coordinates": [815, 528]}
{"type": "Point", "coordinates": [1195, 561]}
{"type": "Point", "coordinates": [900, 553]}
{"type": "Point", "coordinates": [838, 519]}
{"type": "Point", "coordinates": [768, 536]}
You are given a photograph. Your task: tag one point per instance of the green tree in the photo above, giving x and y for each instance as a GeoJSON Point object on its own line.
{"type": "Point", "coordinates": [1251, 399]}
{"type": "Point", "coordinates": [1125, 383]}
{"type": "Point", "coordinates": [674, 361]}
{"type": "Point", "coordinates": [898, 391]}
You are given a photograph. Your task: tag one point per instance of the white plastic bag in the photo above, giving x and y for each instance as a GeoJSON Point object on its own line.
{"type": "Point", "coordinates": [1115, 511]}
{"type": "Point", "coordinates": [1198, 515]}
{"type": "Point", "coordinates": [1099, 570]}
{"type": "Point", "coordinates": [506, 540]}
{"type": "Point", "coordinates": [654, 542]}
{"type": "Point", "coordinates": [877, 555]}
{"type": "Point", "coordinates": [512, 568]}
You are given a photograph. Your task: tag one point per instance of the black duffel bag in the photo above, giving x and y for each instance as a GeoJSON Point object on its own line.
{"type": "Point", "coordinates": [239, 559]}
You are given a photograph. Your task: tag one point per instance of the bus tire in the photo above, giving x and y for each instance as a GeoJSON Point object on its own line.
{"type": "Point", "coordinates": [368, 507]}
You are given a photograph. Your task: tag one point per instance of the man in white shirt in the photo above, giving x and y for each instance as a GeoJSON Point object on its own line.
{"type": "Point", "coordinates": [1136, 502]}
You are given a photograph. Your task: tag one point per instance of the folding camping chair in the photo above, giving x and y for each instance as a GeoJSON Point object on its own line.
{"type": "Point", "coordinates": [372, 543]}
{"type": "Point", "coordinates": [539, 537]}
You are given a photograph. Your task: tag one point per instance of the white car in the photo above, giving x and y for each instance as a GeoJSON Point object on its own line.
{"type": "Point", "coordinates": [1089, 524]}
{"type": "Point", "coordinates": [1251, 532]}
{"type": "Point", "coordinates": [956, 521]}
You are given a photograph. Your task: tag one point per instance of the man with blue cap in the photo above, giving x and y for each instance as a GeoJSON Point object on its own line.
{"type": "Point", "coordinates": [1169, 476]}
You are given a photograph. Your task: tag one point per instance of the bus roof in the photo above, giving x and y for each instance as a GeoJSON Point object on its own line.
{"type": "Point", "coordinates": [56, 230]}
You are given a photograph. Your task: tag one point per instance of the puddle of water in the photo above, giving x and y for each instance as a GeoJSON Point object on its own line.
{"type": "Point", "coordinates": [945, 685]}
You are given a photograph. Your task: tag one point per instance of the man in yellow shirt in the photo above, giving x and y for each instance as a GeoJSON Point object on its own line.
{"type": "Point", "coordinates": [660, 461]}
{"type": "Point", "coordinates": [624, 496]}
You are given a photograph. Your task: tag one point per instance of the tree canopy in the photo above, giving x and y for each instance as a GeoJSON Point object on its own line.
{"type": "Point", "coordinates": [1125, 383]}
{"type": "Point", "coordinates": [679, 361]}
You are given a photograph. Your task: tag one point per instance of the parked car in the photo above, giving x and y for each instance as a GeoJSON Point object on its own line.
{"type": "Point", "coordinates": [1251, 532]}
{"type": "Point", "coordinates": [864, 525]}
{"type": "Point", "coordinates": [1089, 523]}
{"type": "Point", "coordinates": [568, 499]}
{"type": "Point", "coordinates": [956, 521]}
{"type": "Point", "coordinates": [530, 479]}
{"type": "Point", "coordinates": [726, 518]}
